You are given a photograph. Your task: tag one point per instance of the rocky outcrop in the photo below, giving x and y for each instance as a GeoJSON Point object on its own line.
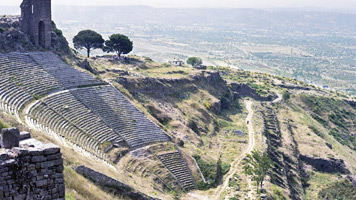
{"type": "Point", "coordinates": [13, 39]}
{"type": "Point", "coordinates": [352, 178]}
{"type": "Point", "coordinates": [162, 86]}
{"type": "Point", "coordinates": [246, 91]}
{"type": "Point", "coordinates": [86, 65]}
{"type": "Point", "coordinates": [111, 185]}
{"type": "Point", "coordinates": [330, 165]}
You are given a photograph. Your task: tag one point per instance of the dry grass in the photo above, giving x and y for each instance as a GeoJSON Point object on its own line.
{"type": "Point", "coordinates": [79, 188]}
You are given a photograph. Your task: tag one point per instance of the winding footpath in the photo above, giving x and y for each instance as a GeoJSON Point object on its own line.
{"type": "Point", "coordinates": [236, 163]}
{"type": "Point", "coordinates": [234, 166]}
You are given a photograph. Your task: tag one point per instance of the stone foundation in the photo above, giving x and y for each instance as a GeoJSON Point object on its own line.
{"type": "Point", "coordinates": [31, 171]}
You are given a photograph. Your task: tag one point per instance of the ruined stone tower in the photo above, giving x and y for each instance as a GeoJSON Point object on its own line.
{"type": "Point", "coordinates": [36, 21]}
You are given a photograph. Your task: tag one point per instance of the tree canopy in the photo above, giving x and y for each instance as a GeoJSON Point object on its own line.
{"type": "Point", "coordinates": [286, 96]}
{"type": "Point", "coordinates": [118, 43]}
{"type": "Point", "coordinates": [194, 61]}
{"type": "Point", "coordinates": [257, 166]}
{"type": "Point", "coordinates": [89, 40]}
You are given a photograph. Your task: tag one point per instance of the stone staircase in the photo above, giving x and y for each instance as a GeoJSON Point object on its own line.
{"type": "Point", "coordinates": [174, 162]}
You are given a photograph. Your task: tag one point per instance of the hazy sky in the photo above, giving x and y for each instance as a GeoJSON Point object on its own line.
{"type": "Point", "coordinates": [330, 4]}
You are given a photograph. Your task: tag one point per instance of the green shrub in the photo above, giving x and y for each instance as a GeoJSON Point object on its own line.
{"type": "Point", "coordinates": [277, 194]}
{"type": "Point", "coordinates": [286, 96]}
{"type": "Point", "coordinates": [339, 190]}
{"type": "Point", "coordinates": [212, 172]}
{"type": "Point", "coordinates": [193, 125]}
{"type": "Point", "coordinates": [320, 120]}
{"type": "Point", "coordinates": [2, 30]}
{"type": "Point", "coordinates": [316, 131]}
{"type": "Point", "coordinates": [3, 125]}
{"type": "Point", "coordinates": [208, 105]}
{"type": "Point", "coordinates": [69, 197]}
{"type": "Point", "coordinates": [166, 65]}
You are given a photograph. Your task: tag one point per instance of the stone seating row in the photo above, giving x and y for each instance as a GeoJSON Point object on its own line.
{"type": "Point", "coordinates": [12, 97]}
{"type": "Point", "coordinates": [121, 115]}
{"type": "Point", "coordinates": [42, 114]}
{"type": "Point", "coordinates": [65, 74]}
{"type": "Point", "coordinates": [66, 105]}
{"type": "Point", "coordinates": [177, 166]}
{"type": "Point", "coordinates": [21, 70]}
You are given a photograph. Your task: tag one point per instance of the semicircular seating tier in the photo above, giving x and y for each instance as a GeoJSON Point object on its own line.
{"type": "Point", "coordinates": [79, 108]}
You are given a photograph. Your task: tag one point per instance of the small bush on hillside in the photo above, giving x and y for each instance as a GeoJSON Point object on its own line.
{"type": "Point", "coordinates": [277, 194]}
{"type": "Point", "coordinates": [166, 65]}
{"type": "Point", "coordinates": [161, 117]}
{"type": "Point", "coordinates": [2, 125]}
{"type": "Point", "coordinates": [212, 172]}
{"type": "Point", "coordinates": [193, 125]}
{"type": "Point", "coordinates": [320, 120]}
{"type": "Point", "coordinates": [339, 190]}
{"type": "Point", "coordinates": [286, 96]}
{"type": "Point", "coordinates": [225, 103]}
{"type": "Point", "coordinates": [208, 105]}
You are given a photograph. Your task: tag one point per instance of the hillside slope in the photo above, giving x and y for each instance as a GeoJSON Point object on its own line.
{"type": "Point", "coordinates": [309, 134]}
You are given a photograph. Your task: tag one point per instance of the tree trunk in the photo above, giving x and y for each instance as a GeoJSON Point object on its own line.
{"type": "Point", "coordinates": [119, 54]}
{"type": "Point", "coordinates": [88, 52]}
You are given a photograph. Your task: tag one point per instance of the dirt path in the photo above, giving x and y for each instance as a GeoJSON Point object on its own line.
{"type": "Point", "coordinates": [280, 98]}
{"type": "Point", "coordinates": [235, 164]}
{"type": "Point", "coordinates": [196, 195]}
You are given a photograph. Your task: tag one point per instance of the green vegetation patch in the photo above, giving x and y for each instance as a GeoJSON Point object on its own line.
{"type": "Point", "coordinates": [213, 172]}
{"type": "Point", "coordinates": [3, 125]}
{"type": "Point", "coordinates": [335, 115]}
{"type": "Point", "coordinates": [340, 190]}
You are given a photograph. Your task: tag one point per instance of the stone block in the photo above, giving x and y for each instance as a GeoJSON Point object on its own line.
{"type": "Point", "coordinates": [37, 159]}
{"type": "Point", "coordinates": [35, 152]}
{"type": "Point", "coordinates": [58, 162]}
{"type": "Point", "coordinates": [20, 197]}
{"type": "Point", "coordinates": [25, 135]}
{"type": "Point", "coordinates": [10, 137]}
{"type": "Point", "coordinates": [54, 156]}
{"type": "Point", "coordinates": [41, 183]}
{"type": "Point", "coordinates": [59, 169]}
{"type": "Point", "coordinates": [51, 149]}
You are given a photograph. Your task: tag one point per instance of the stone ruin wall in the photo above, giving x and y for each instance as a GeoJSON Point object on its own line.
{"type": "Point", "coordinates": [32, 170]}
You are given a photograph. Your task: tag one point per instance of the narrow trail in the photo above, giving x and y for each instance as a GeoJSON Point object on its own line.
{"type": "Point", "coordinates": [279, 99]}
{"type": "Point", "coordinates": [235, 164]}
{"type": "Point", "coordinates": [196, 195]}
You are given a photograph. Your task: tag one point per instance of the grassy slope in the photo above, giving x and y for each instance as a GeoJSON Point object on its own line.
{"type": "Point", "coordinates": [309, 134]}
